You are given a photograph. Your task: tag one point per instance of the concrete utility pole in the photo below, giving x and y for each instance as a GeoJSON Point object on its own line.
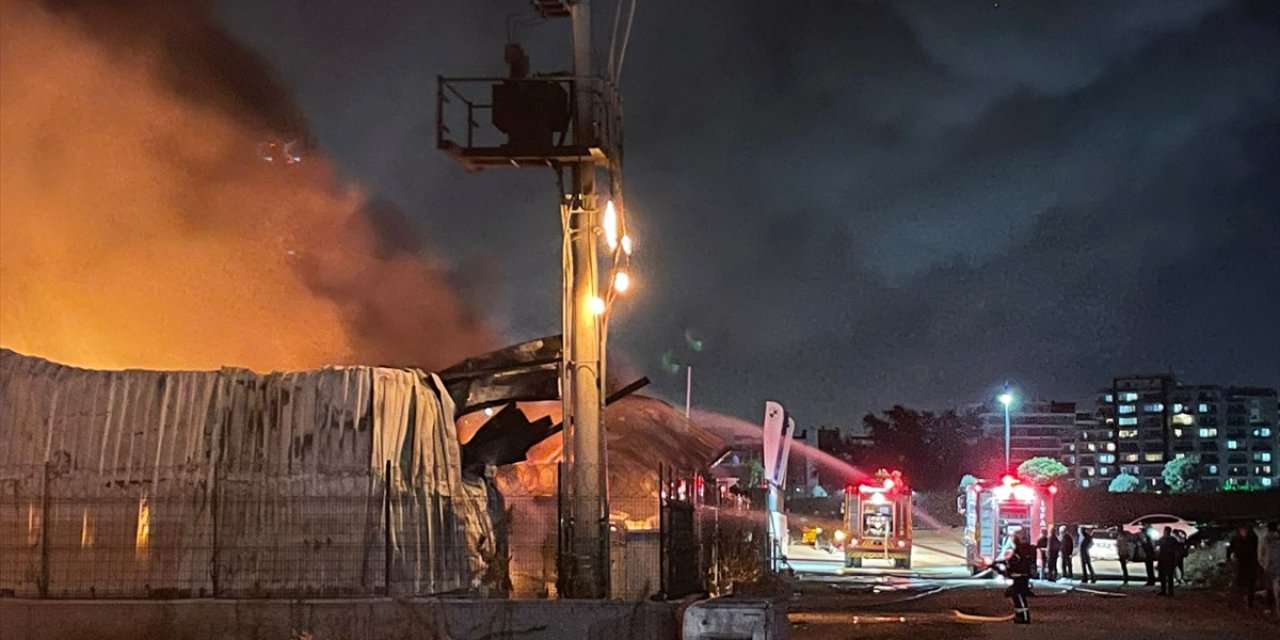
{"type": "Point", "coordinates": [536, 114]}
{"type": "Point", "coordinates": [584, 442]}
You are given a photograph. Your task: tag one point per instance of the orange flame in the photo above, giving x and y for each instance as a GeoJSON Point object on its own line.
{"type": "Point", "coordinates": [138, 229]}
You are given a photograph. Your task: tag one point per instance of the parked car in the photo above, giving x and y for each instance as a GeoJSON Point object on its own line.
{"type": "Point", "coordinates": [1157, 522]}
{"type": "Point", "coordinates": [1104, 544]}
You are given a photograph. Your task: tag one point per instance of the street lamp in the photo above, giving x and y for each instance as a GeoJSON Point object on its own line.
{"type": "Point", "coordinates": [1006, 399]}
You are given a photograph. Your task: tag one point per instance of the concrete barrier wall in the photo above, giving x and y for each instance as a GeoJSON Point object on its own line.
{"type": "Point", "coordinates": [1083, 505]}
{"type": "Point", "coordinates": [1097, 506]}
{"type": "Point", "coordinates": [373, 619]}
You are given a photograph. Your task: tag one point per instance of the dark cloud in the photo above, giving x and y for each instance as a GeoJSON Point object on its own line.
{"type": "Point", "coordinates": [863, 203]}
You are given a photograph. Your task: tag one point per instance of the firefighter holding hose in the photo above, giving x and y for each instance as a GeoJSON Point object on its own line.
{"type": "Point", "coordinates": [1018, 566]}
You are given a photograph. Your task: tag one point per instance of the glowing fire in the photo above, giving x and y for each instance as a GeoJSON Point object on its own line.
{"type": "Point", "coordinates": [138, 229]}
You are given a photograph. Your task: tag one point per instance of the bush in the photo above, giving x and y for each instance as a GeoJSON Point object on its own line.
{"type": "Point", "coordinates": [1208, 566]}
{"type": "Point", "coordinates": [1123, 483]}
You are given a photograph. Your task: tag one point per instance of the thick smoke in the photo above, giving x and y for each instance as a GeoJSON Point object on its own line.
{"type": "Point", "coordinates": [141, 226]}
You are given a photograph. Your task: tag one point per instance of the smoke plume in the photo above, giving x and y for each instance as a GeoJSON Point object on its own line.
{"type": "Point", "coordinates": [147, 220]}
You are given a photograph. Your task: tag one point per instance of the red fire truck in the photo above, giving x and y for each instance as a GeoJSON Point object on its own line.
{"type": "Point", "coordinates": [993, 511]}
{"type": "Point", "coordinates": [878, 517]}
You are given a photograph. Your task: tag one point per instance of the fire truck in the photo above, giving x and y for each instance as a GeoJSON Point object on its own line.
{"type": "Point", "coordinates": [993, 511]}
{"type": "Point", "coordinates": [878, 518]}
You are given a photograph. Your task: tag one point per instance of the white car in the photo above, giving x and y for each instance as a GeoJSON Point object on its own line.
{"type": "Point", "coordinates": [1104, 544]}
{"type": "Point", "coordinates": [1157, 522]}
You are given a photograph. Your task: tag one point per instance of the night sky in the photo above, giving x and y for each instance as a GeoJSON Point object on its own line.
{"type": "Point", "coordinates": [857, 204]}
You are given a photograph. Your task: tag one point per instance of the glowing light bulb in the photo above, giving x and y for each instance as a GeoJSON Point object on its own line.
{"type": "Point", "coordinates": [621, 282]}
{"type": "Point", "coordinates": [626, 245]}
{"type": "Point", "coordinates": [595, 304]}
{"type": "Point", "coordinates": [611, 225]}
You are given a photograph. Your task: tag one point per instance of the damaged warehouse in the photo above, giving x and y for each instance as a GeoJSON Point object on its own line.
{"type": "Point", "coordinates": [230, 483]}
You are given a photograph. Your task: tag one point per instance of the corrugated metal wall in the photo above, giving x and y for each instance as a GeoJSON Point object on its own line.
{"type": "Point", "coordinates": [133, 483]}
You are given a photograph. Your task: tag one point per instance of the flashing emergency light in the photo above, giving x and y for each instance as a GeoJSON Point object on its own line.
{"type": "Point", "coordinates": [1053, 488]}
{"type": "Point", "coordinates": [1009, 481]}
{"type": "Point", "coordinates": [877, 498]}
{"type": "Point", "coordinates": [888, 483]}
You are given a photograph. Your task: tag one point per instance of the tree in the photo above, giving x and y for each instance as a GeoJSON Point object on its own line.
{"type": "Point", "coordinates": [1124, 483]}
{"type": "Point", "coordinates": [1041, 471]}
{"type": "Point", "coordinates": [1182, 475]}
{"type": "Point", "coordinates": [930, 449]}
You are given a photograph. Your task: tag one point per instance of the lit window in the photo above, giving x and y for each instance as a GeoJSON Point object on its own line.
{"type": "Point", "coordinates": [1093, 447]}
{"type": "Point", "coordinates": [1264, 456]}
{"type": "Point", "coordinates": [1084, 483]}
{"type": "Point", "coordinates": [1071, 447]}
{"type": "Point", "coordinates": [1128, 433]}
{"type": "Point", "coordinates": [1088, 470]}
{"type": "Point", "coordinates": [1108, 398]}
{"type": "Point", "coordinates": [1204, 408]}
{"type": "Point", "coordinates": [1233, 444]}
{"type": "Point", "coordinates": [1153, 407]}
{"type": "Point", "coordinates": [1153, 457]}
{"type": "Point", "coordinates": [1266, 482]}
{"type": "Point", "coordinates": [1130, 457]}
{"type": "Point", "coordinates": [1177, 407]}
{"type": "Point", "coordinates": [1128, 422]}
{"type": "Point", "coordinates": [1128, 396]}
{"type": "Point", "coordinates": [1179, 456]}
{"type": "Point", "coordinates": [1264, 432]}
{"type": "Point", "coordinates": [1213, 469]}
{"type": "Point", "coordinates": [1177, 433]}
{"type": "Point", "coordinates": [1111, 457]}
{"type": "Point", "coordinates": [1184, 419]}
{"type": "Point", "coordinates": [1111, 446]}
{"type": "Point", "coordinates": [1106, 471]}
{"type": "Point", "coordinates": [1266, 470]}
{"type": "Point", "coordinates": [1211, 432]}
{"type": "Point", "coordinates": [1126, 408]}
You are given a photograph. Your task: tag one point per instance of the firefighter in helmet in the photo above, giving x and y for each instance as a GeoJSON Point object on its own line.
{"type": "Point", "coordinates": [1018, 566]}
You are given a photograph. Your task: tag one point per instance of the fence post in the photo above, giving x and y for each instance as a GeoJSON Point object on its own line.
{"type": "Point", "coordinates": [215, 511]}
{"type": "Point", "coordinates": [43, 585]}
{"type": "Point", "coordinates": [563, 534]}
{"type": "Point", "coordinates": [662, 530]}
{"type": "Point", "coordinates": [386, 530]}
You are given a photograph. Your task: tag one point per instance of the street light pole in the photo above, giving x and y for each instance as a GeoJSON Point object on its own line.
{"type": "Point", "coordinates": [1006, 398]}
{"type": "Point", "coordinates": [688, 390]}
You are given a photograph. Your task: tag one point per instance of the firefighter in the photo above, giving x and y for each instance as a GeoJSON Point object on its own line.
{"type": "Point", "coordinates": [1018, 567]}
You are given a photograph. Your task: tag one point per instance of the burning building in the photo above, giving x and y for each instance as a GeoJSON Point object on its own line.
{"type": "Point", "coordinates": [338, 480]}
{"type": "Point", "coordinates": [145, 223]}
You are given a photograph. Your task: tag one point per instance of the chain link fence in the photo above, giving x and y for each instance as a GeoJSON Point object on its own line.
{"type": "Point", "coordinates": [60, 537]}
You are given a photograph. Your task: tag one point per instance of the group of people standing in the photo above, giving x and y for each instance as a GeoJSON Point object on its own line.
{"type": "Point", "coordinates": [1254, 558]}
{"type": "Point", "coordinates": [1061, 545]}
{"type": "Point", "coordinates": [1163, 553]}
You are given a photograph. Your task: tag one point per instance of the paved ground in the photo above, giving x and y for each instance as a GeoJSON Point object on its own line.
{"type": "Point", "coordinates": [827, 611]}
{"type": "Point", "coordinates": [938, 599]}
